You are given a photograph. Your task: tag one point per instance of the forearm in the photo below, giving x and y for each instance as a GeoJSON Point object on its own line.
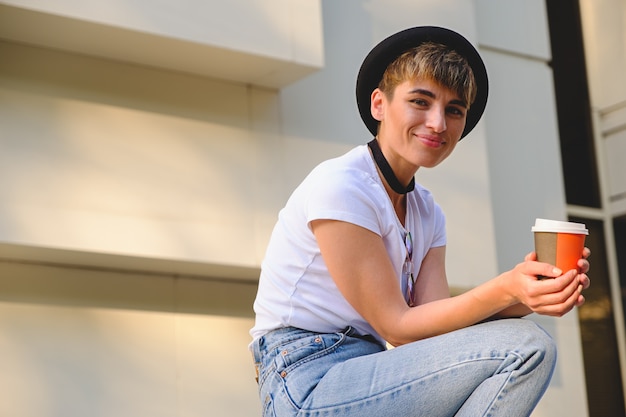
{"type": "Point", "coordinates": [514, 311]}
{"type": "Point", "coordinates": [449, 314]}
{"type": "Point", "coordinates": [514, 293]}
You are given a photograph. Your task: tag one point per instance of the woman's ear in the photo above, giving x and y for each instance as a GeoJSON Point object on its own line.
{"type": "Point", "coordinates": [377, 102]}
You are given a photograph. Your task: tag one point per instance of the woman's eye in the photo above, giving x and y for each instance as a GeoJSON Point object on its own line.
{"type": "Point", "coordinates": [456, 111]}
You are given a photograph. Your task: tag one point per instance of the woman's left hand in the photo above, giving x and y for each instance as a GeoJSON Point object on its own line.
{"type": "Point", "coordinates": [583, 267]}
{"type": "Point", "coordinates": [583, 279]}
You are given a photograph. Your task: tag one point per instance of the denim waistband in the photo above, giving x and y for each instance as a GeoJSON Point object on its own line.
{"type": "Point", "coordinates": [266, 342]}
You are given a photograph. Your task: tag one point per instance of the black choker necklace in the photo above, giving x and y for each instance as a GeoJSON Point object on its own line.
{"type": "Point", "coordinates": [385, 168]}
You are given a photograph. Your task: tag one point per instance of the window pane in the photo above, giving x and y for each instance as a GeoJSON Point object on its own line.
{"type": "Point", "coordinates": [619, 227]}
{"type": "Point", "coordinates": [597, 327]}
{"type": "Point", "coordinates": [573, 105]}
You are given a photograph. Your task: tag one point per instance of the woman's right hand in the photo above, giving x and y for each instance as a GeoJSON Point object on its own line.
{"type": "Point", "coordinates": [554, 294]}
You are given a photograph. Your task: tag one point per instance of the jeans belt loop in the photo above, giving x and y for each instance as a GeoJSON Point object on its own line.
{"type": "Point", "coordinates": [256, 358]}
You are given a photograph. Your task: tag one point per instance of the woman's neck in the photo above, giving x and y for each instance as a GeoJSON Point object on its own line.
{"type": "Point", "coordinates": [387, 172]}
{"type": "Point", "coordinates": [398, 201]}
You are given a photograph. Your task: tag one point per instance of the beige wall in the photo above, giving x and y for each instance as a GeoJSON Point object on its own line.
{"type": "Point", "coordinates": [137, 201]}
{"type": "Point", "coordinates": [251, 41]}
{"type": "Point", "coordinates": [85, 342]}
{"type": "Point", "coordinates": [130, 171]}
{"type": "Point", "coordinates": [108, 157]}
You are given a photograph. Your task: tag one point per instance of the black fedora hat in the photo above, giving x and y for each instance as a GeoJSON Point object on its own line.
{"type": "Point", "coordinates": [383, 54]}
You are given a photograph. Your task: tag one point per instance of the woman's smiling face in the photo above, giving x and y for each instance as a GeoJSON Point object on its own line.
{"type": "Point", "coordinates": [420, 124]}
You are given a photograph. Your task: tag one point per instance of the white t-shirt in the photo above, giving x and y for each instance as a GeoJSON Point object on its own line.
{"type": "Point", "coordinates": [295, 288]}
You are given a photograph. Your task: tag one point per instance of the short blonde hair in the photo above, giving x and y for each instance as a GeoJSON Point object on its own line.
{"type": "Point", "coordinates": [431, 61]}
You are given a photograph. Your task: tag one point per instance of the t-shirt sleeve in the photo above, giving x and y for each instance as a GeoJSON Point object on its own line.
{"type": "Point", "coordinates": [347, 195]}
{"type": "Point", "coordinates": [439, 233]}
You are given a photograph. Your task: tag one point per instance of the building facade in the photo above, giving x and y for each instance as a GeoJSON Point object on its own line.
{"type": "Point", "coordinates": [147, 147]}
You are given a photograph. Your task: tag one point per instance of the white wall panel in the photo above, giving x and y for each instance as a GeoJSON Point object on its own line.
{"type": "Point", "coordinates": [520, 27]}
{"type": "Point", "coordinates": [252, 41]}
{"type": "Point", "coordinates": [604, 28]}
{"type": "Point", "coordinates": [615, 152]}
{"type": "Point", "coordinates": [106, 157]}
{"type": "Point", "coordinates": [98, 343]}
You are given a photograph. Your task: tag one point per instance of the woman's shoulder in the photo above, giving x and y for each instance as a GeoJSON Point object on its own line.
{"type": "Point", "coordinates": [344, 189]}
{"type": "Point", "coordinates": [345, 171]}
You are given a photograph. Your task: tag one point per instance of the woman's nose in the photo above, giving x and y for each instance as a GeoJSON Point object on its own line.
{"type": "Point", "coordinates": [436, 120]}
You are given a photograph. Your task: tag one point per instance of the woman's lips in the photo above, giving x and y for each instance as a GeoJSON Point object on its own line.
{"type": "Point", "coordinates": [431, 140]}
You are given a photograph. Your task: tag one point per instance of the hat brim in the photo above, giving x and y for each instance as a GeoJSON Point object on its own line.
{"type": "Point", "coordinates": [383, 54]}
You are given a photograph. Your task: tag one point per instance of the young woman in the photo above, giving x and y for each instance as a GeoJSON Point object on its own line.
{"type": "Point", "coordinates": [357, 260]}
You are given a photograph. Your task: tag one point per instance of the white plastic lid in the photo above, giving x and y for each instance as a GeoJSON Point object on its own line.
{"type": "Point", "coordinates": [555, 226]}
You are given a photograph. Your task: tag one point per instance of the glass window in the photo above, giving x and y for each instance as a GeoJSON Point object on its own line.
{"type": "Point", "coordinates": [597, 328]}
{"type": "Point", "coordinates": [573, 104]}
{"type": "Point", "coordinates": [619, 227]}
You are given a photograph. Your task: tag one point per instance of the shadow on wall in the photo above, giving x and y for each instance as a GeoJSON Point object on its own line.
{"type": "Point", "coordinates": [89, 287]}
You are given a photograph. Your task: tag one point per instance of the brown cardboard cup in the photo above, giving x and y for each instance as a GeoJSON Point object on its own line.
{"type": "Point", "coordinates": [559, 243]}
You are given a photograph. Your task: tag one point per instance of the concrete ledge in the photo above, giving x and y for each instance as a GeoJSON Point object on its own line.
{"type": "Point", "coordinates": [76, 259]}
{"type": "Point", "coordinates": [275, 60]}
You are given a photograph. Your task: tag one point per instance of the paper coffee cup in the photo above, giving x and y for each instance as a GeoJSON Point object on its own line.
{"type": "Point", "coordinates": [559, 243]}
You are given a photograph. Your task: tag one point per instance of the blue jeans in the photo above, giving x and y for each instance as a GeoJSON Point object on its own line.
{"type": "Point", "coordinates": [498, 368]}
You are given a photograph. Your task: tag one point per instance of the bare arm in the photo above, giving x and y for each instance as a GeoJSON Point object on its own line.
{"type": "Point", "coordinates": [358, 262]}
